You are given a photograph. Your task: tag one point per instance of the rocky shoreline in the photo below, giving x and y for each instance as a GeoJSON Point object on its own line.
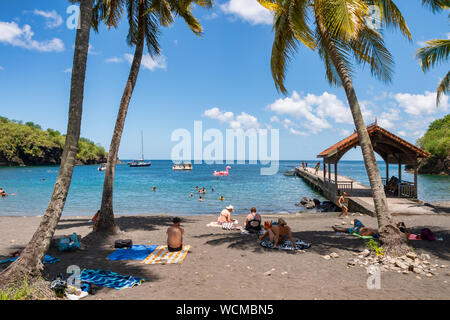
{"type": "Point", "coordinates": [433, 165]}
{"type": "Point", "coordinates": [313, 203]}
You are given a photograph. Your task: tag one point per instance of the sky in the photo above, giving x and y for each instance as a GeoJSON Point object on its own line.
{"type": "Point", "coordinates": [222, 78]}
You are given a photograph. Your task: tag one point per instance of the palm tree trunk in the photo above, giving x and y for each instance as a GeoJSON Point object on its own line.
{"type": "Point", "coordinates": [29, 263]}
{"type": "Point", "coordinates": [105, 221]}
{"type": "Point", "coordinates": [393, 240]}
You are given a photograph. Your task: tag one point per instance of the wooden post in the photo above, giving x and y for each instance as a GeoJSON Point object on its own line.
{"type": "Point", "coordinates": [415, 181]}
{"type": "Point", "coordinates": [329, 172]}
{"type": "Point", "coordinates": [387, 172]}
{"type": "Point", "coordinates": [324, 171]}
{"type": "Point", "coordinates": [399, 177]}
{"type": "Point", "coordinates": [335, 177]}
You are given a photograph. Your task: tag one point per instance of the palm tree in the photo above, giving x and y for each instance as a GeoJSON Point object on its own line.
{"type": "Point", "coordinates": [340, 33]}
{"type": "Point", "coordinates": [144, 17]}
{"type": "Point", "coordinates": [29, 263]}
{"type": "Point", "coordinates": [437, 50]}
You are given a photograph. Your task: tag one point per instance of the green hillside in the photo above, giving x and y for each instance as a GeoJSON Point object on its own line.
{"type": "Point", "coordinates": [437, 138]}
{"type": "Point", "coordinates": [27, 144]}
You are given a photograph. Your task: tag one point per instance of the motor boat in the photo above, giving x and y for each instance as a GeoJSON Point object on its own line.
{"type": "Point", "coordinates": [179, 167]}
{"type": "Point", "coordinates": [102, 167]}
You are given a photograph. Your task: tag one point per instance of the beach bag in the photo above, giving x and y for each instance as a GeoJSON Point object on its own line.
{"type": "Point", "coordinates": [123, 243]}
{"type": "Point", "coordinates": [427, 234]}
{"type": "Point", "coordinates": [68, 244]}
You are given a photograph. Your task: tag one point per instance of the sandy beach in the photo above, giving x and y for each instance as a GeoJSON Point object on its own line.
{"type": "Point", "coordinates": [230, 265]}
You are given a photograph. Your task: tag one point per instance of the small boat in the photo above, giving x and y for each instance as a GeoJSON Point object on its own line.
{"type": "Point", "coordinates": [102, 167]}
{"type": "Point", "coordinates": [186, 166]}
{"type": "Point", "coordinates": [140, 163]}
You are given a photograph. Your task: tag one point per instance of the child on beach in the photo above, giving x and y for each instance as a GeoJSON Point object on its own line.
{"type": "Point", "coordinates": [342, 204]}
{"type": "Point", "coordinates": [175, 236]}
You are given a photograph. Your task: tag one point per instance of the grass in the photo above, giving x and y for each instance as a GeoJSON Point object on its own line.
{"type": "Point", "coordinates": [17, 293]}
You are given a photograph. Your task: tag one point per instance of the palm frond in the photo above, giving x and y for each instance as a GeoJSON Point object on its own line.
{"type": "Point", "coordinates": [435, 51]}
{"type": "Point", "coordinates": [443, 87]}
{"type": "Point", "coordinates": [391, 16]}
{"type": "Point", "coordinates": [184, 9]}
{"type": "Point", "coordinates": [298, 19]}
{"type": "Point", "coordinates": [369, 48]}
{"type": "Point", "coordinates": [436, 5]}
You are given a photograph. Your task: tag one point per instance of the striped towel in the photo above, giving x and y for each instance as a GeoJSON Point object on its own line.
{"type": "Point", "coordinates": [105, 278]}
{"type": "Point", "coordinates": [162, 255]}
{"type": "Point", "coordinates": [228, 226]}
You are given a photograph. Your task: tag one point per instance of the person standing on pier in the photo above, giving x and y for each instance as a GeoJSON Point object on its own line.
{"type": "Point", "coordinates": [342, 204]}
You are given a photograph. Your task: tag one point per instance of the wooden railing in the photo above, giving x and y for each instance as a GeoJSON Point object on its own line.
{"type": "Point", "coordinates": [342, 186]}
{"type": "Point", "coordinates": [407, 190]}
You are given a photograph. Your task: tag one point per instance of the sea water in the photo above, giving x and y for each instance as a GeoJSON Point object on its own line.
{"type": "Point", "coordinates": [244, 188]}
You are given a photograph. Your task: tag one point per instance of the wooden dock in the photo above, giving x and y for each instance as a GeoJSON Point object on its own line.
{"type": "Point", "coordinates": [359, 195]}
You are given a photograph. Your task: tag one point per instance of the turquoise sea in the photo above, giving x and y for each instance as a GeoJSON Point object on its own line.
{"type": "Point", "coordinates": [244, 188]}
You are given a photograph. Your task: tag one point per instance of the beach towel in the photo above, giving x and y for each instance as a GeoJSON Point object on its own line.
{"type": "Point", "coordinates": [214, 224]}
{"type": "Point", "coordinates": [135, 252]}
{"type": "Point", "coordinates": [162, 255]}
{"type": "Point", "coordinates": [363, 237]}
{"type": "Point", "coordinates": [286, 245]}
{"type": "Point", "coordinates": [104, 278]}
{"type": "Point", "coordinates": [47, 260]}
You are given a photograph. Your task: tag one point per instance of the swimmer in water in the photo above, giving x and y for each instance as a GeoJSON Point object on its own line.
{"type": "Point", "coordinates": [154, 188]}
{"type": "Point", "coordinates": [200, 199]}
{"type": "Point", "coordinates": [191, 195]}
{"type": "Point", "coordinates": [212, 190]}
{"type": "Point", "coordinates": [3, 193]}
{"type": "Point", "coordinates": [221, 198]}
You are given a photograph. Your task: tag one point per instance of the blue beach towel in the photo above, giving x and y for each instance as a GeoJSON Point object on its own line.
{"type": "Point", "coordinates": [47, 260]}
{"type": "Point", "coordinates": [109, 279]}
{"type": "Point", "coordinates": [135, 252]}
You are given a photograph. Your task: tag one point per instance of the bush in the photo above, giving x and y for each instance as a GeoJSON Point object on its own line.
{"type": "Point", "coordinates": [437, 138]}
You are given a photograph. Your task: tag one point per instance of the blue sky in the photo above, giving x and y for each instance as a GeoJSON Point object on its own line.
{"type": "Point", "coordinates": [222, 78]}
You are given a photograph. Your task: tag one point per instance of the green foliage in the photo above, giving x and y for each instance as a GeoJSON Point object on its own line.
{"type": "Point", "coordinates": [373, 245]}
{"type": "Point", "coordinates": [14, 293]}
{"type": "Point", "coordinates": [437, 138]}
{"type": "Point", "coordinates": [31, 142]}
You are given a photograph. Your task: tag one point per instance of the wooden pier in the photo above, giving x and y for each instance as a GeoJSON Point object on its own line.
{"type": "Point", "coordinates": [394, 150]}
{"type": "Point", "coordinates": [360, 196]}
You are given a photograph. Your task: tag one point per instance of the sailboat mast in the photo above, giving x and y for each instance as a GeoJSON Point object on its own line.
{"type": "Point", "coordinates": [142, 144]}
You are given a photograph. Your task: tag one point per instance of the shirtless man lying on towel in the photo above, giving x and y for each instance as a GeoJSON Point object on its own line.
{"type": "Point", "coordinates": [175, 236]}
{"type": "Point", "coordinates": [358, 228]}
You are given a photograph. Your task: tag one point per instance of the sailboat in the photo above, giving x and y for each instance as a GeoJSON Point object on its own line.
{"type": "Point", "coordinates": [140, 163]}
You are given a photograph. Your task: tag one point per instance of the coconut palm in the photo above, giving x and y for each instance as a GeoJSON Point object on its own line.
{"type": "Point", "coordinates": [29, 263]}
{"type": "Point", "coordinates": [145, 18]}
{"type": "Point", "coordinates": [436, 51]}
{"type": "Point", "coordinates": [338, 30]}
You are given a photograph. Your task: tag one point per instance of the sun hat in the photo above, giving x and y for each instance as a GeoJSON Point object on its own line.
{"type": "Point", "coordinates": [281, 222]}
{"type": "Point", "coordinates": [230, 207]}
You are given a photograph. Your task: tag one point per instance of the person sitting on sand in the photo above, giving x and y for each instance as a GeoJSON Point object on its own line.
{"type": "Point", "coordinates": [175, 236]}
{"type": "Point", "coordinates": [277, 232]}
{"type": "Point", "coordinates": [253, 221]}
{"type": "Point", "coordinates": [225, 215]}
{"type": "Point", "coordinates": [358, 228]}
{"type": "Point", "coordinates": [342, 204]}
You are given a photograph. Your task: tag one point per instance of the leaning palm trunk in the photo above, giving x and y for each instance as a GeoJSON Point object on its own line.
{"type": "Point", "coordinates": [105, 220]}
{"type": "Point", "coordinates": [392, 239]}
{"type": "Point", "coordinates": [29, 263]}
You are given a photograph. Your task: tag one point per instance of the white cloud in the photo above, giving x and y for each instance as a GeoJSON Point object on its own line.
{"type": "Point", "coordinates": [287, 123]}
{"type": "Point", "coordinates": [1, 68]}
{"type": "Point", "coordinates": [420, 104]}
{"type": "Point", "coordinates": [297, 132]}
{"type": "Point", "coordinates": [242, 121]}
{"type": "Point", "coordinates": [248, 10]}
{"type": "Point", "coordinates": [12, 34]}
{"type": "Point", "coordinates": [148, 62]}
{"type": "Point", "coordinates": [344, 132]}
{"type": "Point", "coordinates": [114, 60]}
{"type": "Point", "coordinates": [211, 16]}
{"type": "Point", "coordinates": [68, 70]}
{"type": "Point", "coordinates": [92, 51]}
{"type": "Point", "coordinates": [388, 118]}
{"type": "Point", "coordinates": [274, 119]}
{"type": "Point", "coordinates": [54, 20]}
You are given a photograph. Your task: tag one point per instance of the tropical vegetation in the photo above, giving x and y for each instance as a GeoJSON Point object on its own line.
{"type": "Point", "coordinates": [437, 138]}
{"type": "Point", "coordinates": [26, 143]}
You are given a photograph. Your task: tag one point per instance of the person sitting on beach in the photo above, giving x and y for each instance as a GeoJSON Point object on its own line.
{"type": "Point", "coordinates": [392, 184]}
{"type": "Point", "coordinates": [277, 232]}
{"type": "Point", "coordinates": [175, 236]}
{"type": "Point", "coordinates": [253, 221]}
{"type": "Point", "coordinates": [225, 215]}
{"type": "Point", "coordinates": [342, 204]}
{"type": "Point", "coordinates": [357, 228]}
